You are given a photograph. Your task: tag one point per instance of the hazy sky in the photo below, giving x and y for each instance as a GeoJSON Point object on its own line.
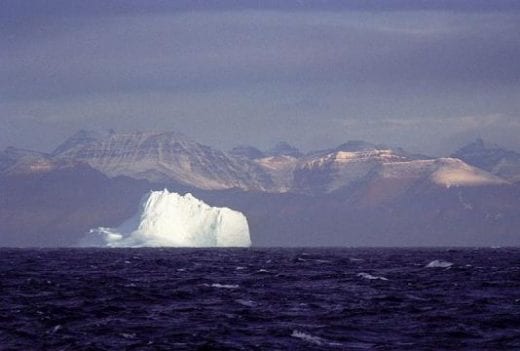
{"type": "Point", "coordinates": [425, 75]}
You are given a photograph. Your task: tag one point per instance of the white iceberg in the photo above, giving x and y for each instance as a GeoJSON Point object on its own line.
{"type": "Point", "coordinates": [170, 219]}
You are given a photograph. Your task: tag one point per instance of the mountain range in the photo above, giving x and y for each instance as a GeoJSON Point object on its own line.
{"type": "Point", "coordinates": [492, 158]}
{"type": "Point", "coordinates": [355, 194]}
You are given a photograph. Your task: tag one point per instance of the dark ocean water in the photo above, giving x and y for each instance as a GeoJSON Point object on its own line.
{"type": "Point", "coordinates": [259, 299]}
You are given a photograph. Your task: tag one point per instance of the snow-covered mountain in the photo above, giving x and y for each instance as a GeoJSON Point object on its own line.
{"type": "Point", "coordinates": [491, 157]}
{"type": "Point", "coordinates": [169, 157]}
{"type": "Point", "coordinates": [446, 172]}
{"type": "Point", "coordinates": [163, 157]}
{"type": "Point", "coordinates": [395, 181]}
{"type": "Point", "coordinates": [334, 169]}
{"type": "Point", "coordinates": [355, 162]}
{"type": "Point", "coordinates": [354, 194]}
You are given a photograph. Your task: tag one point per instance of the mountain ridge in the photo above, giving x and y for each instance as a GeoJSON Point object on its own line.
{"type": "Point", "coordinates": [173, 157]}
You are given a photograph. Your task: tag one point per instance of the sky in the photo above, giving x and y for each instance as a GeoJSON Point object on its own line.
{"type": "Point", "coordinates": [428, 76]}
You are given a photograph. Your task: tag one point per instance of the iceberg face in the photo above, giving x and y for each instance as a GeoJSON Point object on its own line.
{"type": "Point", "coordinates": [170, 219]}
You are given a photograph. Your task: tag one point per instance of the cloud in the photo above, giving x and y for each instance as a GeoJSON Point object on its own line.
{"type": "Point", "coordinates": [460, 123]}
{"type": "Point", "coordinates": [441, 135]}
{"type": "Point", "coordinates": [226, 74]}
{"type": "Point", "coordinates": [201, 51]}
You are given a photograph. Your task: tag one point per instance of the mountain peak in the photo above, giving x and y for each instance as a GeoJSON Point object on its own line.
{"type": "Point", "coordinates": [478, 145]}
{"type": "Point", "coordinates": [358, 145]}
{"type": "Point", "coordinates": [82, 137]}
{"type": "Point", "coordinates": [246, 151]}
{"type": "Point", "coordinates": [283, 148]}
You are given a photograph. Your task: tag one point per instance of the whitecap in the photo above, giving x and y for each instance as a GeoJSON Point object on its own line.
{"type": "Point", "coordinates": [323, 261]}
{"type": "Point", "coordinates": [247, 303]}
{"type": "Point", "coordinates": [224, 286]}
{"type": "Point", "coordinates": [55, 329]}
{"type": "Point", "coordinates": [307, 337]}
{"type": "Point", "coordinates": [312, 339]}
{"type": "Point", "coordinates": [370, 276]}
{"type": "Point", "coordinates": [128, 335]}
{"type": "Point", "coordinates": [439, 264]}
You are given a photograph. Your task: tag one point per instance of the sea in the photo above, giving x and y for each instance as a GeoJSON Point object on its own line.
{"type": "Point", "coordinates": [260, 299]}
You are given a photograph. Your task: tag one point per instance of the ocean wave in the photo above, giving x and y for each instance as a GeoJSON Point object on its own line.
{"type": "Point", "coordinates": [224, 286]}
{"type": "Point", "coordinates": [439, 264]}
{"type": "Point", "coordinates": [312, 339]}
{"type": "Point", "coordinates": [370, 276]}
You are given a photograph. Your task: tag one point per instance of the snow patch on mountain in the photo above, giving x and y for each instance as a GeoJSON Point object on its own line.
{"type": "Point", "coordinates": [170, 219]}
{"type": "Point", "coordinates": [443, 171]}
{"type": "Point", "coordinates": [453, 172]}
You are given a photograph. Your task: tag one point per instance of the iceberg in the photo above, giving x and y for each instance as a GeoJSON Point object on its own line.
{"type": "Point", "coordinates": [170, 219]}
